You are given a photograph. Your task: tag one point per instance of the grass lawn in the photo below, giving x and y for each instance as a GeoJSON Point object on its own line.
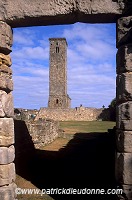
{"type": "Point", "coordinates": [73, 127]}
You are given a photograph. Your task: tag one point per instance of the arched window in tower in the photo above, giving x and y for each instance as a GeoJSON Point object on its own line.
{"type": "Point", "coordinates": [57, 101]}
{"type": "Point", "coordinates": [57, 47]}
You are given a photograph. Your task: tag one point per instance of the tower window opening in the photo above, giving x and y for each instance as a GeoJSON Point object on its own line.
{"type": "Point", "coordinates": [57, 101]}
{"type": "Point", "coordinates": [57, 49]}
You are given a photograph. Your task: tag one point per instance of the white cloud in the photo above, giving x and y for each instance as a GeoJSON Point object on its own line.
{"type": "Point", "coordinates": [31, 53]}
{"type": "Point", "coordinates": [24, 37]}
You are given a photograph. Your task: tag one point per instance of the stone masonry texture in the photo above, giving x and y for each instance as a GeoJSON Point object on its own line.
{"type": "Point", "coordinates": [58, 97]}
{"type": "Point", "coordinates": [124, 59]}
{"type": "Point", "coordinates": [8, 192]}
{"type": "Point", "coordinates": [6, 104]}
{"type": "Point", "coordinates": [124, 168]}
{"type": "Point", "coordinates": [72, 114]}
{"type": "Point", "coordinates": [7, 174]}
{"type": "Point", "coordinates": [6, 131]}
{"type": "Point", "coordinates": [124, 141]}
{"type": "Point", "coordinates": [124, 84]}
{"type": "Point", "coordinates": [123, 162]}
{"type": "Point", "coordinates": [19, 13]}
{"type": "Point", "coordinates": [30, 134]}
{"type": "Point", "coordinates": [124, 31]}
{"type": "Point", "coordinates": [7, 155]}
{"type": "Point", "coordinates": [7, 150]}
{"type": "Point", "coordinates": [5, 38]}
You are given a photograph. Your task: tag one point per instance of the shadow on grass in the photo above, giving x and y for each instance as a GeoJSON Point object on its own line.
{"type": "Point", "coordinates": [87, 161]}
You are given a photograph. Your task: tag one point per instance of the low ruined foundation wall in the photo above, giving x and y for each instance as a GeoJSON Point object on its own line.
{"type": "Point", "coordinates": [73, 114]}
{"type": "Point", "coordinates": [34, 134]}
{"type": "Point", "coordinates": [43, 132]}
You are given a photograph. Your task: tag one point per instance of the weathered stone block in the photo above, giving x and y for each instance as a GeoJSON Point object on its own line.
{"type": "Point", "coordinates": [124, 87]}
{"type": "Point", "coordinates": [125, 110]}
{"type": "Point", "coordinates": [5, 69]}
{"type": "Point", "coordinates": [6, 131]}
{"type": "Point", "coordinates": [124, 31]}
{"type": "Point", "coordinates": [5, 38]}
{"type": "Point", "coordinates": [7, 174]}
{"type": "Point", "coordinates": [124, 141]}
{"type": "Point", "coordinates": [95, 7]}
{"type": "Point", "coordinates": [124, 59]}
{"type": "Point", "coordinates": [124, 116]}
{"type": "Point", "coordinates": [125, 125]}
{"type": "Point", "coordinates": [6, 104]}
{"type": "Point", "coordinates": [40, 12]}
{"type": "Point", "coordinates": [7, 155]}
{"type": "Point", "coordinates": [124, 168]}
{"type": "Point", "coordinates": [6, 82]}
{"type": "Point", "coordinates": [5, 59]}
{"type": "Point", "coordinates": [127, 190]}
{"type": "Point", "coordinates": [8, 192]}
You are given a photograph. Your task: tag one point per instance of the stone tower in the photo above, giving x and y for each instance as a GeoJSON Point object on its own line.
{"type": "Point", "coordinates": [58, 97]}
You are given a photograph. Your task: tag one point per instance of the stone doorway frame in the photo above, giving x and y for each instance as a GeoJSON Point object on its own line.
{"type": "Point", "coordinates": [19, 13]}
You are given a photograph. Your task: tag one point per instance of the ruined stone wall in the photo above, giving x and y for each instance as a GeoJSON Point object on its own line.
{"type": "Point", "coordinates": [25, 114]}
{"type": "Point", "coordinates": [43, 131]}
{"type": "Point", "coordinates": [75, 114]}
{"type": "Point", "coordinates": [31, 133]}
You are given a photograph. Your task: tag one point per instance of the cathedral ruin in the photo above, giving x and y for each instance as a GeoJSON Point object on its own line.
{"type": "Point", "coordinates": [27, 13]}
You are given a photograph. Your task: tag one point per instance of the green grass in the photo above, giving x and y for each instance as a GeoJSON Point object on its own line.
{"type": "Point", "coordinates": [86, 127]}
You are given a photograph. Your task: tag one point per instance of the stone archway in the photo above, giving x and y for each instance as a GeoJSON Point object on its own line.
{"type": "Point", "coordinates": [19, 13]}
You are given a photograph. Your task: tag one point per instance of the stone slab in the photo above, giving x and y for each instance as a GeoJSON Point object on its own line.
{"type": "Point", "coordinates": [8, 192]}
{"type": "Point", "coordinates": [124, 116]}
{"type": "Point", "coordinates": [5, 59]}
{"type": "Point", "coordinates": [124, 168]}
{"type": "Point", "coordinates": [6, 38]}
{"type": "Point", "coordinates": [125, 125]}
{"type": "Point", "coordinates": [20, 13]}
{"type": "Point", "coordinates": [124, 59]}
{"type": "Point", "coordinates": [7, 174]}
{"type": "Point", "coordinates": [125, 110]}
{"type": "Point", "coordinates": [124, 141]}
{"type": "Point", "coordinates": [124, 31]}
{"type": "Point", "coordinates": [5, 69]}
{"type": "Point", "coordinates": [124, 87]}
{"type": "Point", "coordinates": [6, 131]}
{"type": "Point", "coordinates": [127, 189]}
{"type": "Point", "coordinates": [6, 82]}
{"type": "Point", "coordinates": [6, 104]}
{"type": "Point", "coordinates": [7, 155]}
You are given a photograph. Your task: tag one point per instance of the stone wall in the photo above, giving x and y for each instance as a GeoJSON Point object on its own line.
{"type": "Point", "coordinates": [25, 114]}
{"type": "Point", "coordinates": [38, 133]}
{"type": "Point", "coordinates": [124, 106]}
{"type": "Point", "coordinates": [73, 114]}
{"type": "Point", "coordinates": [20, 13]}
{"type": "Point", "coordinates": [7, 150]}
{"type": "Point", "coordinates": [43, 131]}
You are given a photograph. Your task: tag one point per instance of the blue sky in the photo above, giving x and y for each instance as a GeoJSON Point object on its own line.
{"type": "Point", "coordinates": [91, 64]}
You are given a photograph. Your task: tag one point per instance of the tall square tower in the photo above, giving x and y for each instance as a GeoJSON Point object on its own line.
{"type": "Point", "coordinates": [58, 97]}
